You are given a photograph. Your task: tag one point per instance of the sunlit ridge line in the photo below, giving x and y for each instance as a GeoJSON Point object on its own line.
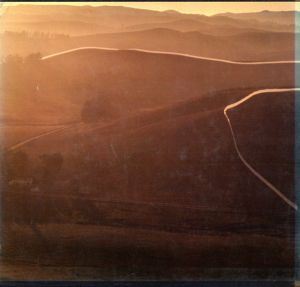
{"type": "Point", "coordinates": [172, 53]}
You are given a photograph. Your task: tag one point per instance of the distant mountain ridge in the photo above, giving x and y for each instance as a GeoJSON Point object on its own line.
{"type": "Point", "coordinates": [283, 17]}
{"type": "Point", "coordinates": [241, 37]}
{"type": "Point", "coordinates": [120, 19]}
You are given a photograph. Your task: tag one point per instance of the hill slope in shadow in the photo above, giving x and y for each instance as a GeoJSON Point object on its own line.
{"type": "Point", "coordinates": [171, 172]}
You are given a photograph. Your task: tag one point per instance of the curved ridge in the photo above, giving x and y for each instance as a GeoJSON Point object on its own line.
{"type": "Point", "coordinates": [170, 53]}
{"type": "Point", "coordinates": [228, 107]}
{"type": "Point", "coordinates": [244, 161]}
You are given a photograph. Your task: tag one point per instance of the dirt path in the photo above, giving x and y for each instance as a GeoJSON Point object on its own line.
{"type": "Point", "coordinates": [244, 161]}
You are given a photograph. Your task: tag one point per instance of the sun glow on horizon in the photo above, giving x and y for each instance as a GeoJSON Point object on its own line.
{"type": "Point", "coordinates": [206, 8]}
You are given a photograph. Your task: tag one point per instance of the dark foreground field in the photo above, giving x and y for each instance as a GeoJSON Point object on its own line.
{"type": "Point", "coordinates": [159, 195]}
{"type": "Point", "coordinates": [76, 251]}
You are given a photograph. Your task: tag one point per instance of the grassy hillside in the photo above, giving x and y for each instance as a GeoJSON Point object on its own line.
{"type": "Point", "coordinates": [169, 173]}
{"type": "Point", "coordinates": [190, 154]}
{"type": "Point", "coordinates": [107, 84]}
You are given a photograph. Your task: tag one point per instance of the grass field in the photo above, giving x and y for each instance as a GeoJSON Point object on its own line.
{"type": "Point", "coordinates": [100, 252]}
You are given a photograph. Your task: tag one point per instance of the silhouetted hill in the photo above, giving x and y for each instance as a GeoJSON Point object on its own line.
{"type": "Point", "coordinates": [203, 26]}
{"type": "Point", "coordinates": [279, 17]}
{"type": "Point", "coordinates": [113, 18]}
{"type": "Point", "coordinates": [244, 37]}
{"type": "Point", "coordinates": [119, 19]}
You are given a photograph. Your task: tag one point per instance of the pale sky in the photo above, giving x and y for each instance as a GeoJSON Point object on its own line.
{"type": "Point", "coordinates": [207, 8]}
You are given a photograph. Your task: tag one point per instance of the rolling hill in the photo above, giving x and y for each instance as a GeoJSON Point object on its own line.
{"type": "Point", "coordinates": [169, 178]}
{"type": "Point", "coordinates": [244, 37]}
{"type": "Point", "coordinates": [116, 83]}
{"type": "Point", "coordinates": [244, 46]}
{"type": "Point", "coordinates": [183, 156]}
{"type": "Point", "coordinates": [248, 45]}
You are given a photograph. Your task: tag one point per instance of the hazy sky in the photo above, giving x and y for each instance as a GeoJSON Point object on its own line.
{"type": "Point", "coordinates": [207, 8]}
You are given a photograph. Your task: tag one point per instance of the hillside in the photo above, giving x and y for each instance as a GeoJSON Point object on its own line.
{"type": "Point", "coordinates": [191, 155]}
{"type": "Point", "coordinates": [247, 45]}
{"type": "Point", "coordinates": [116, 83]}
{"type": "Point", "coordinates": [244, 46]}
